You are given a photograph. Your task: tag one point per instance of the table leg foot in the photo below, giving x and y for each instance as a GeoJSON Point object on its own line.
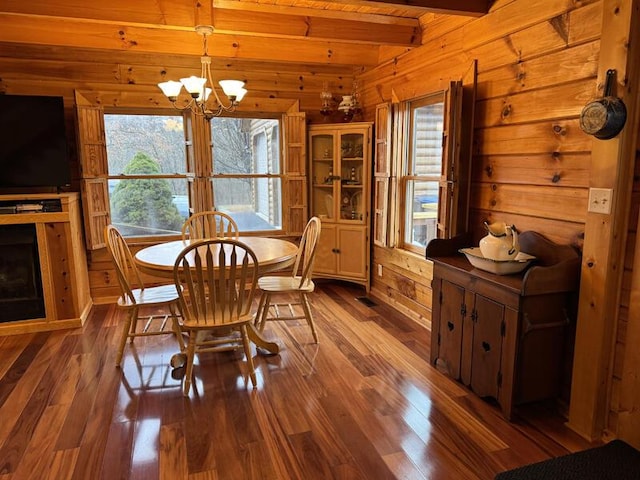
{"type": "Point", "coordinates": [263, 346]}
{"type": "Point", "coordinates": [178, 360]}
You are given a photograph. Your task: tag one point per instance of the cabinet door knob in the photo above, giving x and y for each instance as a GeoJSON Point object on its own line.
{"type": "Point", "coordinates": [486, 347]}
{"type": "Point", "coordinates": [450, 326]}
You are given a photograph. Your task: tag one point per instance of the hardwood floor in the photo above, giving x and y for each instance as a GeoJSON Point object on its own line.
{"type": "Point", "coordinates": [362, 404]}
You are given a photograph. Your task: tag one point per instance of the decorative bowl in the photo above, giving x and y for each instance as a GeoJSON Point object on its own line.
{"type": "Point", "coordinates": [499, 267]}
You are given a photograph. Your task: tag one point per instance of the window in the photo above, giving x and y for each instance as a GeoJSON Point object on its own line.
{"type": "Point", "coordinates": [422, 166]}
{"type": "Point", "coordinates": [147, 179]}
{"type": "Point", "coordinates": [247, 178]}
{"type": "Point", "coordinates": [256, 165]}
{"type": "Point", "coordinates": [147, 172]}
{"type": "Point", "coordinates": [422, 172]}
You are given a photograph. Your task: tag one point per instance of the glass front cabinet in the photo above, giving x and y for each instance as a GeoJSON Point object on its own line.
{"type": "Point", "coordinates": [340, 165]}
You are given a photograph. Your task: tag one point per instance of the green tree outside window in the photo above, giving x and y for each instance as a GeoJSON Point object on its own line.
{"type": "Point", "coordinates": [144, 205]}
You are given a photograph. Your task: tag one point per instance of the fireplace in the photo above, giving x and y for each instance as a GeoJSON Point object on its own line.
{"type": "Point", "coordinates": [21, 295]}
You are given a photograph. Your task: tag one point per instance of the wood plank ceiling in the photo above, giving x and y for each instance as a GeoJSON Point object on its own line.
{"type": "Point", "coordinates": [282, 49]}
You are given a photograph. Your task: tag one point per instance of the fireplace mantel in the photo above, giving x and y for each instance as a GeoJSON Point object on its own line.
{"type": "Point", "coordinates": [62, 258]}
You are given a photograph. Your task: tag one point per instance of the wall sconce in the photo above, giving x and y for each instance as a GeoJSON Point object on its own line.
{"type": "Point", "coordinates": [326, 97]}
{"type": "Point", "coordinates": [348, 108]}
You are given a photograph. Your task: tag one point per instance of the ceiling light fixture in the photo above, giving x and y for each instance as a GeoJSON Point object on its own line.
{"type": "Point", "coordinates": [198, 89]}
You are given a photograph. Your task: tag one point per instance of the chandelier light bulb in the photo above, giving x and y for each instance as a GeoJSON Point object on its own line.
{"type": "Point", "coordinates": [207, 92]}
{"type": "Point", "coordinates": [194, 85]}
{"type": "Point", "coordinates": [171, 89]}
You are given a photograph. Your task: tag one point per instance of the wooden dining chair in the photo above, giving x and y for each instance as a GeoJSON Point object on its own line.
{"type": "Point", "coordinates": [299, 283]}
{"type": "Point", "coordinates": [134, 296]}
{"type": "Point", "coordinates": [210, 224]}
{"type": "Point", "coordinates": [216, 279]}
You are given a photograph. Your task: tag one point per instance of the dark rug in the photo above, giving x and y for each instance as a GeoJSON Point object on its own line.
{"type": "Point", "coordinates": [616, 460]}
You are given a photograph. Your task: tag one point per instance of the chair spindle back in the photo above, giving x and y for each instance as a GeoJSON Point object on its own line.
{"type": "Point", "coordinates": [218, 279]}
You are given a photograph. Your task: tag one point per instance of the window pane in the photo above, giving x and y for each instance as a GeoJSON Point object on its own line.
{"type": "Point", "coordinates": [424, 160]}
{"type": "Point", "coordinates": [427, 128]}
{"type": "Point", "coordinates": [160, 138]}
{"type": "Point", "coordinates": [245, 145]}
{"type": "Point", "coordinates": [254, 203]}
{"type": "Point", "coordinates": [149, 206]}
{"type": "Point", "coordinates": [421, 217]}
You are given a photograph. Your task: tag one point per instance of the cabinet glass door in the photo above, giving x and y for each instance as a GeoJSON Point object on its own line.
{"type": "Point", "coordinates": [323, 176]}
{"type": "Point", "coordinates": [352, 176]}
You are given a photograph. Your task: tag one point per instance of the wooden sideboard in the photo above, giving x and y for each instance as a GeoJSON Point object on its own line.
{"type": "Point", "coordinates": [504, 336]}
{"type": "Point", "coordinates": [61, 257]}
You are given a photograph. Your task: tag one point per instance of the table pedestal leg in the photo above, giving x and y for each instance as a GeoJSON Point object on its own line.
{"type": "Point", "coordinates": [256, 337]}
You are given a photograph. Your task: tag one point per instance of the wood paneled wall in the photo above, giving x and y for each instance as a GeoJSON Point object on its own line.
{"type": "Point", "coordinates": [537, 67]}
{"type": "Point", "coordinates": [624, 418]}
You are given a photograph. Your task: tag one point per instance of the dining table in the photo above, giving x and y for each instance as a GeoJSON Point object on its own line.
{"type": "Point", "coordinates": [273, 254]}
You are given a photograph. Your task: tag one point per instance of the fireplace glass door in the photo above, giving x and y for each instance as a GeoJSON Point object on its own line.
{"type": "Point", "coordinates": [21, 295]}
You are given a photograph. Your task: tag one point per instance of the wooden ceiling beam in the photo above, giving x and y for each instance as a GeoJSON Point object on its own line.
{"type": "Point", "coordinates": [316, 27]}
{"type": "Point", "coordinates": [336, 12]}
{"type": "Point", "coordinates": [122, 38]}
{"type": "Point", "coordinates": [272, 83]}
{"type": "Point", "coordinates": [37, 53]}
{"type": "Point", "coordinates": [473, 8]}
{"type": "Point", "coordinates": [304, 23]}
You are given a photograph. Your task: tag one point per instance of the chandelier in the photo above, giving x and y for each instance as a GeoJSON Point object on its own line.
{"type": "Point", "coordinates": [197, 87]}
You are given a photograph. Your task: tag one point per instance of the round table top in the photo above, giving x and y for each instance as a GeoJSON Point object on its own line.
{"type": "Point", "coordinates": [272, 254]}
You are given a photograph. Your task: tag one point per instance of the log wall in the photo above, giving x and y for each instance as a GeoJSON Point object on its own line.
{"type": "Point", "coordinates": [531, 161]}
{"type": "Point", "coordinates": [623, 418]}
{"type": "Point", "coordinates": [538, 65]}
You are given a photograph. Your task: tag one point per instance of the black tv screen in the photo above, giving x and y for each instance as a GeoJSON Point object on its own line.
{"type": "Point", "coordinates": [33, 143]}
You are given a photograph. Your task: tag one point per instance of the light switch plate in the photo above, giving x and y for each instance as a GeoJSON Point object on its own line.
{"type": "Point", "coordinates": [600, 200]}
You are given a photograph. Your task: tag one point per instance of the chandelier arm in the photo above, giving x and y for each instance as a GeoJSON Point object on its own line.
{"type": "Point", "coordinates": [213, 88]}
{"type": "Point", "coordinates": [188, 106]}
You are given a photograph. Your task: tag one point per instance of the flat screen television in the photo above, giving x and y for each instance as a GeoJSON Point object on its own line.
{"type": "Point", "coordinates": [33, 143]}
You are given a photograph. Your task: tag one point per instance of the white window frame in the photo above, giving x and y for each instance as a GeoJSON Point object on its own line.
{"type": "Point", "coordinates": [184, 175]}
{"type": "Point", "coordinates": [271, 153]}
{"type": "Point", "coordinates": [410, 177]}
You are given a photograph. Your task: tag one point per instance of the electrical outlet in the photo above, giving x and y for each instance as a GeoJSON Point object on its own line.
{"type": "Point", "coordinates": [600, 200]}
{"type": "Point", "coordinates": [379, 270]}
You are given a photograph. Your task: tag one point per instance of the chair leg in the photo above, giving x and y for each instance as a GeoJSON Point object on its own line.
{"type": "Point", "coordinates": [191, 350]}
{"type": "Point", "coordinates": [308, 315]}
{"type": "Point", "coordinates": [265, 311]}
{"type": "Point", "coordinates": [247, 352]}
{"type": "Point", "coordinates": [125, 334]}
{"type": "Point", "coordinates": [134, 324]}
{"type": "Point", "coordinates": [258, 317]}
{"type": "Point", "coordinates": [176, 327]}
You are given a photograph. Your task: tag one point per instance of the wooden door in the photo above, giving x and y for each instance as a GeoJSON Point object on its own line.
{"type": "Point", "coordinates": [486, 352]}
{"type": "Point", "coordinates": [352, 255]}
{"type": "Point", "coordinates": [450, 323]}
{"type": "Point", "coordinates": [295, 181]}
{"type": "Point", "coordinates": [326, 258]}
{"type": "Point", "coordinates": [381, 173]}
